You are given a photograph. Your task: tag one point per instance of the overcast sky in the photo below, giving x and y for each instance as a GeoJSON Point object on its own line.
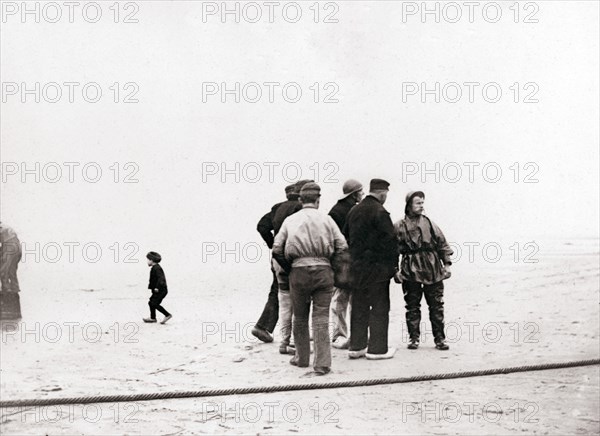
{"type": "Point", "coordinates": [177, 142]}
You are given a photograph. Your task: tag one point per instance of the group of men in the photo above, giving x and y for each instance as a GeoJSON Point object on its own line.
{"type": "Point", "coordinates": [343, 262]}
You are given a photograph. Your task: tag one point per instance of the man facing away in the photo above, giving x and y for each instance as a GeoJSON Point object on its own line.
{"type": "Point", "coordinates": [425, 264]}
{"type": "Point", "coordinates": [340, 303]}
{"type": "Point", "coordinates": [268, 227]}
{"type": "Point", "coordinates": [374, 257]}
{"type": "Point", "coordinates": [304, 247]}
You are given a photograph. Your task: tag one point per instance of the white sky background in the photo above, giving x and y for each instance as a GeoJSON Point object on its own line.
{"type": "Point", "coordinates": [369, 133]}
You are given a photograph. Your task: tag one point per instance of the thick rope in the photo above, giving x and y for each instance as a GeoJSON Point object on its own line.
{"type": "Point", "coordinates": [284, 388]}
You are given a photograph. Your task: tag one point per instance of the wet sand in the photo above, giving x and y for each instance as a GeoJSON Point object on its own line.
{"type": "Point", "coordinates": [497, 315]}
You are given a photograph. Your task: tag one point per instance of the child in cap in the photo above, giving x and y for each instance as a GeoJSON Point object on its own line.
{"type": "Point", "coordinates": [158, 286]}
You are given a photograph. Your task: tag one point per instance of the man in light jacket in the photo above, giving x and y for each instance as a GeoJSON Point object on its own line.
{"type": "Point", "coordinates": [304, 247]}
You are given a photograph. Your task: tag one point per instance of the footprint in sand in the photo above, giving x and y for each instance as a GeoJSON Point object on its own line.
{"type": "Point", "coordinates": [52, 388]}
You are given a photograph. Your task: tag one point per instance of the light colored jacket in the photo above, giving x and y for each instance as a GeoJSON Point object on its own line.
{"type": "Point", "coordinates": [308, 238]}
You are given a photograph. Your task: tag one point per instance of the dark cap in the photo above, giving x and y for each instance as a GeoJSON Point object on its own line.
{"type": "Point", "coordinates": [310, 188]}
{"type": "Point", "coordinates": [154, 257]}
{"type": "Point", "coordinates": [379, 184]}
{"type": "Point", "coordinates": [413, 194]}
{"type": "Point", "coordinates": [299, 184]}
{"type": "Point", "coordinates": [290, 188]}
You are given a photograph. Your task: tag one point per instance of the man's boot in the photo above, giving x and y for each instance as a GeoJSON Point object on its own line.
{"type": "Point", "coordinates": [262, 334]}
{"type": "Point", "coordinates": [413, 344]}
{"type": "Point", "coordinates": [441, 345]}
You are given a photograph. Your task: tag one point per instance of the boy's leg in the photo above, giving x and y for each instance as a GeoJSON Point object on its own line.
{"type": "Point", "coordinates": [154, 304]}
{"type": "Point", "coordinates": [159, 300]}
{"type": "Point", "coordinates": [162, 310]}
{"type": "Point", "coordinates": [152, 309]}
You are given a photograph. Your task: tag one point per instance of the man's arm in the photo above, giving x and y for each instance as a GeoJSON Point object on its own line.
{"type": "Point", "coordinates": [279, 249]}
{"type": "Point", "coordinates": [401, 237]}
{"type": "Point", "coordinates": [389, 241]}
{"type": "Point", "coordinates": [346, 230]}
{"type": "Point", "coordinates": [443, 248]}
{"type": "Point", "coordinates": [337, 218]}
{"type": "Point", "coordinates": [265, 228]}
{"type": "Point", "coordinates": [339, 241]}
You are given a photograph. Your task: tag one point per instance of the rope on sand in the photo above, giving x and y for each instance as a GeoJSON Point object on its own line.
{"type": "Point", "coordinates": [293, 387]}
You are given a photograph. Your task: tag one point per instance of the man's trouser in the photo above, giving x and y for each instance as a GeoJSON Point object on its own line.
{"type": "Point", "coordinates": [312, 284]}
{"type": "Point", "coordinates": [10, 305]}
{"type": "Point", "coordinates": [370, 318]}
{"type": "Point", "coordinates": [340, 304]}
{"type": "Point", "coordinates": [286, 311]}
{"type": "Point", "coordinates": [270, 314]}
{"type": "Point", "coordinates": [434, 295]}
{"type": "Point", "coordinates": [10, 258]}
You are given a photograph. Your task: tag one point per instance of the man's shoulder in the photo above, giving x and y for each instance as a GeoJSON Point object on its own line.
{"type": "Point", "coordinates": [370, 204]}
{"type": "Point", "coordinates": [289, 207]}
{"type": "Point", "coordinates": [308, 213]}
{"type": "Point", "coordinates": [400, 222]}
{"type": "Point", "coordinates": [295, 217]}
{"type": "Point", "coordinates": [339, 207]}
{"type": "Point", "coordinates": [276, 206]}
{"type": "Point", "coordinates": [358, 210]}
{"type": "Point", "coordinates": [433, 224]}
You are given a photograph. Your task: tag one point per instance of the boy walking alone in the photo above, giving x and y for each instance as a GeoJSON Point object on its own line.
{"type": "Point", "coordinates": [158, 286]}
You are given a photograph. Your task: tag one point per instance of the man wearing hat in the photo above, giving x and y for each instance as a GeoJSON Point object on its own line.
{"type": "Point", "coordinates": [268, 227]}
{"type": "Point", "coordinates": [425, 264]}
{"type": "Point", "coordinates": [373, 250]}
{"type": "Point", "coordinates": [340, 303]}
{"type": "Point", "coordinates": [304, 247]}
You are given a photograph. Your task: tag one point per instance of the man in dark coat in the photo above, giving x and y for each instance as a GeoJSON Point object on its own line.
{"type": "Point", "coordinates": [373, 250]}
{"type": "Point", "coordinates": [340, 303]}
{"type": "Point", "coordinates": [268, 227]}
{"type": "Point", "coordinates": [426, 260]}
{"type": "Point", "coordinates": [10, 254]}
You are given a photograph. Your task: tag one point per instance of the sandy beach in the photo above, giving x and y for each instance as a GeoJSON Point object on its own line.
{"type": "Point", "coordinates": [497, 315]}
